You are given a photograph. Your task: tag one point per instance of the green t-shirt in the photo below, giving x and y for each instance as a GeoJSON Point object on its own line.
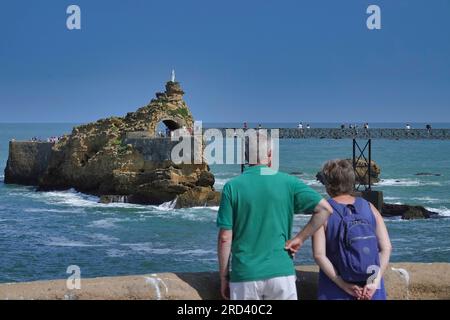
{"type": "Point", "coordinates": [259, 209]}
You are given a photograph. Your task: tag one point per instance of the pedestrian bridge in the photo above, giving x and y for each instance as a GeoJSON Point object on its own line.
{"type": "Point", "coordinates": [361, 133]}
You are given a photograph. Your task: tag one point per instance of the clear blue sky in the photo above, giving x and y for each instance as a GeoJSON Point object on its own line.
{"type": "Point", "coordinates": [261, 61]}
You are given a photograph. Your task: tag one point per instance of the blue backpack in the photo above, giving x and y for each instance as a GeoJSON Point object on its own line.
{"type": "Point", "coordinates": [357, 255]}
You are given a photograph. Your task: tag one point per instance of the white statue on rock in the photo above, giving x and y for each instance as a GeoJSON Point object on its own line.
{"type": "Point", "coordinates": [173, 75]}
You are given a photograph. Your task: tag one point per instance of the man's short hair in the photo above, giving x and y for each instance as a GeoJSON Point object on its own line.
{"type": "Point", "coordinates": [258, 147]}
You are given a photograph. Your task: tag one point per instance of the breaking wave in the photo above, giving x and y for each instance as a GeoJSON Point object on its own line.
{"type": "Point", "coordinates": [443, 211]}
{"type": "Point", "coordinates": [406, 183]}
{"type": "Point", "coordinates": [219, 183]}
{"type": "Point", "coordinates": [152, 248]}
{"type": "Point", "coordinates": [107, 223]}
{"type": "Point", "coordinates": [312, 182]}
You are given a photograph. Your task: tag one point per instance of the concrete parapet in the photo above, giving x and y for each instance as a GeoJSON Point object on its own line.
{"type": "Point", "coordinates": [403, 281]}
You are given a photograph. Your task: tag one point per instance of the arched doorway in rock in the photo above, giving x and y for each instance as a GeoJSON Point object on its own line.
{"type": "Point", "coordinates": [165, 127]}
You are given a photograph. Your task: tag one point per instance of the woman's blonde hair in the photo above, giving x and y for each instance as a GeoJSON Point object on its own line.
{"type": "Point", "coordinates": [339, 177]}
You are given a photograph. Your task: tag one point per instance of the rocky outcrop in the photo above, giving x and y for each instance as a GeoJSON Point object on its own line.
{"type": "Point", "coordinates": [27, 161]}
{"type": "Point", "coordinates": [362, 172]}
{"type": "Point", "coordinates": [403, 281]}
{"type": "Point", "coordinates": [197, 197]}
{"type": "Point", "coordinates": [98, 158]}
{"type": "Point", "coordinates": [407, 212]}
{"type": "Point", "coordinates": [362, 175]}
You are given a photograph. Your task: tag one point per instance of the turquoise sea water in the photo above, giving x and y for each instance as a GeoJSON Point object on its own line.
{"type": "Point", "coordinates": [42, 233]}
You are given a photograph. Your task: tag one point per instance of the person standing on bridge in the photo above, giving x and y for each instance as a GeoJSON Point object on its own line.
{"type": "Point", "coordinates": [255, 220]}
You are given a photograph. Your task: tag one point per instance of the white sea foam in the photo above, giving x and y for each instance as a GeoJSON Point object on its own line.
{"type": "Point", "coordinates": [219, 183]}
{"type": "Point", "coordinates": [212, 208]}
{"type": "Point", "coordinates": [312, 182]}
{"type": "Point", "coordinates": [2, 178]}
{"type": "Point", "coordinates": [106, 223]}
{"type": "Point", "coordinates": [200, 213]}
{"type": "Point", "coordinates": [197, 252]}
{"type": "Point", "coordinates": [191, 214]}
{"type": "Point", "coordinates": [72, 198]}
{"type": "Point", "coordinates": [427, 199]}
{"type": "Point", "coordinates": [64, 242]}
{"type": "Point", "coordinates": [437, 249]}
{"type": "Point", "coordinates": [147, 247]}
{"type": "Point", "coordinates": [152, 248]}
{"type": "Point", "coordinates": [406, 183]}
{"type": "Point", "coordinates": [419, 200]}
{"type": "Point", "coordinates": [76, 202]}
{"type": "Point", "coordinates": [68, 197]}
{"type": "Point", "coordinates": [226, 174]}
{"type": "Point", "coordinates": [443, 211]}
{"type": "Point", "coordinates": [104, 238]}
{"type": "Point", "coordinates": [116, 253]}
{"type": "Point", "coordinates": [42, 210]}
{"type": "Point", "coordinates": [167, 206]}
{"type": "Point", "coordinates": [396, 220]}
{"type": "Point", "coordinates": [392, 198]}
{"type": "Point", "coordinates": [394, 240]}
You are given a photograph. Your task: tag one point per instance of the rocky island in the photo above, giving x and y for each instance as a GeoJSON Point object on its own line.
{"type": "Point", "coordinates": [119, 158]}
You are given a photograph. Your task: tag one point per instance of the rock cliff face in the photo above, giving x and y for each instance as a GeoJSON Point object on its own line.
{"type": "Point", "coordinates": [407, 212]}
{"type": "Point", "coordinates": [27, 161]}
{"type": "Point", "coordinates": [97, 158]}
{"type": "Point", "coordinates": [362, 174]}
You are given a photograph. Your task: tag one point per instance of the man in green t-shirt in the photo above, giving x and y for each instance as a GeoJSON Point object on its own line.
{"type": "Point", "coordinates": [255, 220]}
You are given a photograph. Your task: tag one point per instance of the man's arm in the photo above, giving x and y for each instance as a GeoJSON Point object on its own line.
{"type": "Point", "coordinates": [224, 241]}
{"type": "Point", "coordinates": [321, 214]}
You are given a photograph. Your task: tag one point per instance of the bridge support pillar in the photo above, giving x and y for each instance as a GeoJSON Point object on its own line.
{"type": "Point", "coordinates": [374, 197]}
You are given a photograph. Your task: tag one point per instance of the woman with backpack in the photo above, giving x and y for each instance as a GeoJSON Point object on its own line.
{"type": "Point", "coordinates": [353, 248]}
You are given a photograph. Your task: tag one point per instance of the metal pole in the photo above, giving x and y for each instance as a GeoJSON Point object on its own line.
{"type": "Point", "coordinates": [242, 154]}
{"type": "Point", "coordinates": [354, 158]}
{"type": "Point", "coordinates": [370, 164]}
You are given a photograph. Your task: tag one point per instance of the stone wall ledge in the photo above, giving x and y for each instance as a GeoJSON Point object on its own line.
{"type": "Point", "coordinates": [403, 281]}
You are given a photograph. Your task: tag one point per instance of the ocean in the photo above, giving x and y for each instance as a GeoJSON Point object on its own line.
{"type": "Point", "coordinates": [42, 233]}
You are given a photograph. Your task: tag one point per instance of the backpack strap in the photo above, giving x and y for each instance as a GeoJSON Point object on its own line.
{"type": "Point", "coordinates": [360, 205]}
{"type": "Point", "coordinates": [344, 209]}
{"type": "Point", "coordinates": [363, 207]}
{"type": "Point", "coordinates": [338, 208]}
